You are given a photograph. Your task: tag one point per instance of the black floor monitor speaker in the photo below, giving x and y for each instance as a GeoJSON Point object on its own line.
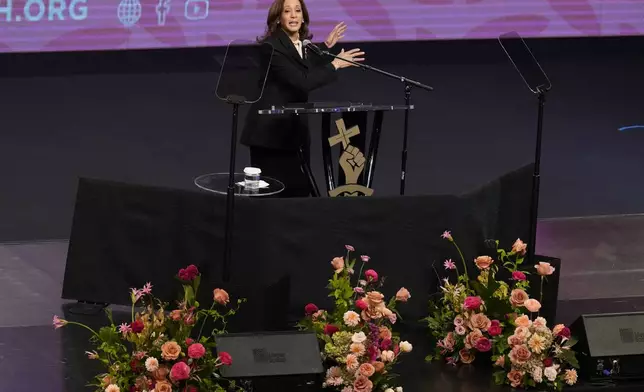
{"type": "Point", "coordinates": [611, 346]}
{"type": "Point", "coordinates": [273, 361]}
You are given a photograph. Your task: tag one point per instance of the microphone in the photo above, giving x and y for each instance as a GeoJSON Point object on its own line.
{"type": "Point", "coordinates": [308, 45]}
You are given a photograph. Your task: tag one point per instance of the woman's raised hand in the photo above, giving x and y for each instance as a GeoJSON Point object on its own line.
{"type": "Point", "coordinates": [354, 55]}
{"type": "Point", "coordinates": [335, 35]}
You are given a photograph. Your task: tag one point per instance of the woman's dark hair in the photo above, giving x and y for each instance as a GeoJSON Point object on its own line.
{"type": "Point", "coordinates": [273, 19]}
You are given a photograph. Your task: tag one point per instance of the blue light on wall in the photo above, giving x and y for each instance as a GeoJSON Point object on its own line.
{"type": "Point", "coordinates": [630, 128]}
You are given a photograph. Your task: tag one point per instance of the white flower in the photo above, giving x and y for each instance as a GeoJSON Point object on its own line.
{"type": "Point", "coordinates": [551, 373]}
{"type": "Point", "coordinates": [351, 318]}
{"type": "Point", "coordinates": [358, 337]}
{"type": "Point", "coordinates": [399, 389]}
{"type": "Point", "coordinates": [537, 374]}
{"type": "Point", "coordinates": [405, 347]}
{"type": "Point", "coordinates": [389, 390]}
{"type": "Point", "coordinates": [112, 388]}
{"type": "Point", "coordinates": [151, 364]}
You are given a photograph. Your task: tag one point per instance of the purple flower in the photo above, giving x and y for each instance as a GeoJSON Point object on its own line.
{"type": "Point", "coordinates": [58, 322]}
{"type": "Point", "coordinates": [447, 235]}
{"type": "Point", "coordinates": [350, 248]}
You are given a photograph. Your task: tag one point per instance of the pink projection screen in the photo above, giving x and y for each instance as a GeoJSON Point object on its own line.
{"type": "Point", "coordinates": [73, 25]}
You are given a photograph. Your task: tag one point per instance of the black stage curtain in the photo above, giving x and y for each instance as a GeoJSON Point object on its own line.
{"type": "Point", "coordinates": [125, 235]}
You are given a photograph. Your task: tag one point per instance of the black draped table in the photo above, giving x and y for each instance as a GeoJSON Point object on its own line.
{"type": "Point", "coordinates": [353, 115]}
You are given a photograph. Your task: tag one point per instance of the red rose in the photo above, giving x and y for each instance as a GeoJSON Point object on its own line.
{"type": "Point", "coordinates": [180, 371]}
{"type": "Point", "coordinates": [196, 351]}
{"type": "Point", "coordinates": [483, 345]}
{"type": "Point", "coordinates": [134, 365]}
{"type": "Point", "coordinates": [472, 303]}
{"type": "Point", "coordinates": [385, 344]}
{"type": "Point", "coordinates": [330, 329]}
{"type": "Point", "coordinates": [547, 362]}
{"type": "Point", "coordinates": [225, 358]}
{"type": "Point", "coordinates": [564, 333]}
{"type": "Point", "coordinates": [361, 304]}
{"type": "Point", "coordinates": [189, 273]}
{"type": "Point", "coordinates": [371, 275]}
{"type": "Point", "coordinates": [310, 309]}
{"type": "Point", "coordinates": [495, 328]}
{"type": "Point", "coordinates": [518, 275]}
{"type": "Point", "coordinates": [189, 341]}
{"type": "Point", "coordinates": [137, 326]}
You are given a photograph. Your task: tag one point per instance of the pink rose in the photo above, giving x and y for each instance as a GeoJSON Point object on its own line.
{"type": "Point", "coordinates": [466, 356]}
{"type": "Point", "coordinates": [520, 355]}
{"type": "Point", "coordinates": [310, 309]}
{"type": "Point", "coordinates": [516, 378]}
{"type": "Point", "coordinates": [220, 296]}
{"type": "Point", "coordinates": [180, 371]}
{"type": "Point", "coordinates": [196, 351]}
{"type": "Point", "coordinates": [362, 384]}
{"type": "Point", "coordinates": [518, 276]}
{"type": "Point", "coordinates": [480, 321]}
{"type": "Point", "coordinates": [225, 358]}
{"type": "Point", "coordinates": [495, 328]}
{"type": "Point", "coordinates": [518, 297]}
{"type": "Point", "coordinates": [532, 305]}
{"type": "Point", "coordinates": [472, 303]}
{"type": "Point", "coordinates": [361, 304]}
{"type": "Point", "coordinates": [483, 345]}
{"type": "Point", "coordinates": [564, 333]}
{"type": "Point", "coordinates": [371, 275]}
{"type": "Point", "coordinates": [544, 269]}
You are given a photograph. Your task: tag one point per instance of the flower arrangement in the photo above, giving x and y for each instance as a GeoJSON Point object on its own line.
{"type": "Point", "coordinates": [360, 347]}
{"type": "Point", "coordinates": [158, 351]}
{"type": "Point", "coordinates": [489, 317]}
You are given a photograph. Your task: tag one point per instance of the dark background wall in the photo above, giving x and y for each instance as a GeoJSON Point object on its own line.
{"type": "Point", "coordinates": [151, 117]}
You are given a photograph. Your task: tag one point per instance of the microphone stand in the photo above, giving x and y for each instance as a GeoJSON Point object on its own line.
{"type": "Point", "coordinates": [409, 83]}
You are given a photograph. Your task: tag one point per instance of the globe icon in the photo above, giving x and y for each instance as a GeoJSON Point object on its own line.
{"type": "Point", "coordinates": [129, 12]}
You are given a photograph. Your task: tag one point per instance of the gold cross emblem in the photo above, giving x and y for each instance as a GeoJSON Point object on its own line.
{"type": "Point", "coordinates": [344, 134]}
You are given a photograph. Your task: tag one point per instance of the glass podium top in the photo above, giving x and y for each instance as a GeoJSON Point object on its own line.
{"type": "Point", "coordinates": [218, 183]}
{"type": "Point", "coordinates": [330, 108]}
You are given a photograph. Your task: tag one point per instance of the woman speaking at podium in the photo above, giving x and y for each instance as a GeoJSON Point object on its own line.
{"type": "Point", "coordinates": [274, 140]}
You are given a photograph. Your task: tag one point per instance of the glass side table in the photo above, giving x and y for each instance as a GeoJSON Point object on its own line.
{"type": "Point", "coordinates": [218, 183]}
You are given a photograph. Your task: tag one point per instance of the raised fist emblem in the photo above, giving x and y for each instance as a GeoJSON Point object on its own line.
{"type": "Point", "coordinates": [352, 163]}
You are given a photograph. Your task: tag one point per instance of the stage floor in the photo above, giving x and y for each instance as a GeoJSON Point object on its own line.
{"type": "Point", "coordinates": [34, 357]}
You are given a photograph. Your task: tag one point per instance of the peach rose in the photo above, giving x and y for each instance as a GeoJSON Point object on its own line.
{"type": "Point", "coordinates": [374, 299]}
{"type": "Point", "coordinates": [379, 366]}
{"type": "Point", "coordinates": [519, 247]}
{"type": "Point", "coordinates": [472, 338]}
{"type": "Point", "coordinates": [520, 355]}
{"type": "Point", "coordinates": [170, 351]}
{"type": "Point", "coordinates": [403, 295]}
{"type": "Point", "coordinates": [385, 333]}
{"type": "Point", "coordinates": [480, 321]}
{"type": "Point", "coordinates": [515, 340]}
{"type": "Point", "coordinates": [558, 328]}
{"type": "Point", "coordinates": [515, 377]}
{"type": "Point", "coordinates": [371, 314]}
{"type": "Point", "coordinates": [532, 305]}
{"type": "Point", "coordinates": [337, 264]}
{"type": "Point", "coordinates": [466, 356]}
{"type": "Point", "coordinates": [540, 322]}
{"type": "Point", "coordinates": [221, 296]}
{"type": "Point", "coordinates": [161, 373]}
{"type": "Point", "coordinates": [112, 388]}
{"type": "Point", "coordinates": [518, 297]}
{"type": "Point", "coordinates": [362, 384]}
{"type": "Point", "coordinates": [483, 262]}
{"type": "Point", "coordinates": [522, 332]}
{"type": "Point", "coordinates": [544, 269]}
{"type": "Point", "coordinates": [163, 386]}
{"type": "Point", "coordinates": [522, 321]}
{"type": "Point", "coordinates": [367, 369]}
{"type": "Point", "coordinates": [175, 315]}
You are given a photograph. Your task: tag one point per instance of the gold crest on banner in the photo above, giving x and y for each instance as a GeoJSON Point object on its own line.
{"type": "Point", "coordinates": [352, 162]}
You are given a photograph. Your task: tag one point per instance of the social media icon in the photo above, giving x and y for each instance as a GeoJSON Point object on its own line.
{"type": "Point", "coordinates": [197, 9]}
{"type": "Point", "coordinates": [163, 8]}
